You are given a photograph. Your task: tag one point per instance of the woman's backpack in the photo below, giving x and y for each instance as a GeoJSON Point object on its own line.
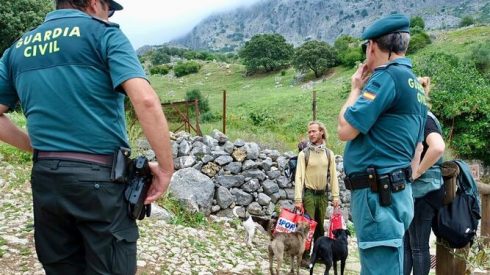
{"type": "Point", "coordinates": [457, 221]}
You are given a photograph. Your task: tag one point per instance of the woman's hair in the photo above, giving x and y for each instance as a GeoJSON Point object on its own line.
{"type": "Point", "coordinates": [425, 82]}
{"type": "Point", "coordinates": [396, 42]}
{"type": "Point", "coordinates": [322, 128]}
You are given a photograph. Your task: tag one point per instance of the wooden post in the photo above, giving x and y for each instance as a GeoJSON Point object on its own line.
{"type": "Point", "coordinates": [484, 190]}
{"type": "Point", "coordinates": [187, 126]}
{"type": "Point", "coordinates": [224, 112]}
{"type": "Point", "coordinates": [198, 115]}
{"type": "Point", "coordinates": [314, 105]}
{"type": "Point", "coordinates": [446, 262]}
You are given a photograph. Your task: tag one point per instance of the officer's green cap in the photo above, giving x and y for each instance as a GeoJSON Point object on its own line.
{"type": "Point", "coordinates": [389, 24]}
{"type": "Point", "coordinates": [114, 6]}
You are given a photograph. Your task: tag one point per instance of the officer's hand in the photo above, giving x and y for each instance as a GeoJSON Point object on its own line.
{"type": "Point", "coordinates": [415, 175]}
{"type": "Point", "coordinates": [360, 77]}
{"type": "Point", "coordinates": [160, 183]}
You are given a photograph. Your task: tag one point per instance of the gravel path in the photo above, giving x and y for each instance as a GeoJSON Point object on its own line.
{"type": "Point", "coordinates": [163, 248]}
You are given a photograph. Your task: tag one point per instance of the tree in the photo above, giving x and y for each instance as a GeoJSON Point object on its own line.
{"type": "Point", "coordinates": [315, 55]}
{"type": "Point", "coordinates": [18, 16]}
{"type": "Point", "coordinates": [460, 98]}
{"type": "Point", "coordinates": [418, 37]}
{"type": "Point", "coordinates": [269, 52]}
{"type": "Point", "coordinates": [417, 21]}
{"type": "Point", "coordinates": [159, 56]}
{"type": "Point", "coordinates": [348, 50]}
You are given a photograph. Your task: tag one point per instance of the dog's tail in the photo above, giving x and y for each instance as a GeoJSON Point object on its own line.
{"type": "Point", "coordinates": [314, 255]}
{"type": "Point", "coordinates": [234, 211]}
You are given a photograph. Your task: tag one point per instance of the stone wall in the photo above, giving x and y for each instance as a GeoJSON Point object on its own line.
{"type": "Point", "coordinates": [213, 175]}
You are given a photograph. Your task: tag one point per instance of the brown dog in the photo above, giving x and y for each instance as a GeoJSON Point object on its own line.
{"type": "Point", "coordinates": [292, 244]}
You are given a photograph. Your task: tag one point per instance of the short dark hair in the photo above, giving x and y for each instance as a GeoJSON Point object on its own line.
{"type": "Point", "coordinates": [77, 4]}
{"type": "Point", "coordinates": [396, 42]}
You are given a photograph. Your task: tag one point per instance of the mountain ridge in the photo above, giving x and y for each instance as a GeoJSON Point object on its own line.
{"type": "Point", "coordinates": [301, 20]}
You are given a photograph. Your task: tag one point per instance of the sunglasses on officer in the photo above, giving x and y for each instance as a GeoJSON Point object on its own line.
{"type": "Point", "coordinates": [364, 46]}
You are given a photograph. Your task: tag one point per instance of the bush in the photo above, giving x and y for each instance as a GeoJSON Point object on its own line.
{"type": "Point", "coordinates": [418, 41]}
{"type": "Point", "coordinates": [351, 57]}
{"type": "Point", "coordinates": [349, 50]}
{"type": "Point", "coordinates": [185, 68]}
{"type": "Point", "coordinates": [460, 98]}
{"type": "Point", "coordinates": [260, 117]}
{"type": "Point", "coordinates": [160, 69]}
{"type": "Point", "coordinates": [480, 54]}
{"type": "Point", "coordinates": [467, 21]}
{"type": "Point", "coordinates": [203, 103]}
{"type": "Point", "coordinates": [210, 116]}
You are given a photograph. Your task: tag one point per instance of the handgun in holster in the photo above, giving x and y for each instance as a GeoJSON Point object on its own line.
{"type": "Point", "coordinates": [139, 181]}
{"type": "Point", "coordinates": [380, 184]}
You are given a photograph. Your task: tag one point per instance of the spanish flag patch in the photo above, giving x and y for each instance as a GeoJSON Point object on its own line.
{"type": "Point", "coordinates": [369, 95]}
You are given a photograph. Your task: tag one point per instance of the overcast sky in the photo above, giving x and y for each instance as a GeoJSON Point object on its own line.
{"type": "Point", "coordinates": [154, 22]}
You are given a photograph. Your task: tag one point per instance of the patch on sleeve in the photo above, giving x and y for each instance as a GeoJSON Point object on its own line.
{"type": "Point", "coordinates": [369, 95]}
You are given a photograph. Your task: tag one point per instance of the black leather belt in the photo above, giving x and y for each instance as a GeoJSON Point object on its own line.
{"type": "Point", "coordinates": [314, 191]}
{"type": "Point", "coordinates": [93, 158]}
{"type": "Point", "coordinates": [372, 180]}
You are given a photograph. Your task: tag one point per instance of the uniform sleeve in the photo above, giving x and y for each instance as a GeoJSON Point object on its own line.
{"type": "Point", "coordinates": [8, 95]}
{"type": "Point", "coordinates": [299, 179]}
{"type": "Point", "coordinates": [376, 97]}
{"type": "Point", "coordinates": [121, 58]}
{"type": "Point", "coordinates": [334, 181]}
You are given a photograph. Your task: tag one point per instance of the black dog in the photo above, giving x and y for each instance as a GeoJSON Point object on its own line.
{"type": "Point", "coordinates": [331, 251]}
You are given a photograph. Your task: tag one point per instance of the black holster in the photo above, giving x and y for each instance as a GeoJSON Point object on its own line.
{"type": "Point", "coordinates": [120, 163]}
{"type": "Point", "coordinates": [139, 181]}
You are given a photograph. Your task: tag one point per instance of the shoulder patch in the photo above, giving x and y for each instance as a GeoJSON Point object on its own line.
{"type": "Point", "coordinates": [369, 95]}
{"type": "Point", "coordinates": [107, 23]}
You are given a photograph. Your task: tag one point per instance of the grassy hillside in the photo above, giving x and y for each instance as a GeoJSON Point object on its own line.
{"type": "Point", "coordinates": [280, 105]}
{"type": "Point", "coordinates": [457, 42]}
{"type": "Point", "coordinates": [282, 102]}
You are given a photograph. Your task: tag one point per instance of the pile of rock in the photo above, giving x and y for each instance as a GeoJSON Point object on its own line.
{"type": "Point", "coordinates": [214, 175]}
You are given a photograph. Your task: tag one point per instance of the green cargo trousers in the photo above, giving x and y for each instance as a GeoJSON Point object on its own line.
{"type": "Point", "coordinates": [81, 223]}
{"type": "Point", "coordinates": [316, 206]}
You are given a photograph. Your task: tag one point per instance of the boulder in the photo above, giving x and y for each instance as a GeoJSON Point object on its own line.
{"type": "Point", "coordinates": [191, 186]}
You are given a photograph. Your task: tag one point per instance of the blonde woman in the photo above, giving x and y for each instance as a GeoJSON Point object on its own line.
{"type": "Point", "coordinates": [428, 193]}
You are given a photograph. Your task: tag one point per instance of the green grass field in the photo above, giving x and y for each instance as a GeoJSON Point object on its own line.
{"type": "Point", "coordinates": [280, 105]}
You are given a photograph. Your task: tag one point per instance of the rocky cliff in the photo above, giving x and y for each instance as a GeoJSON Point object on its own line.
{"type": "Point", "coordinates": [302, 20]}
